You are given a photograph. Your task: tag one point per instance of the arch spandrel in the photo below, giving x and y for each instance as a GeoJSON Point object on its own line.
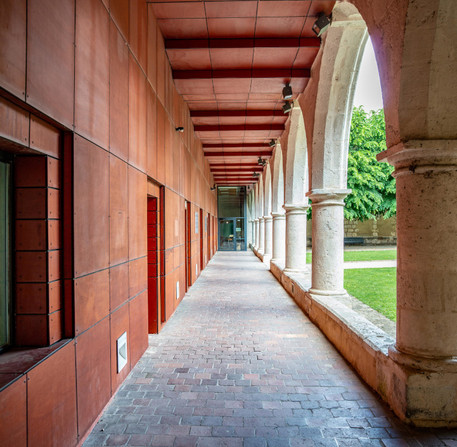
{"type": "Point", "coordinates": [342, 53]}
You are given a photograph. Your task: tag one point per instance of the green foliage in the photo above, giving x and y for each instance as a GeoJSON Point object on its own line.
{"type": "Point", "coordinates": [373, 187]}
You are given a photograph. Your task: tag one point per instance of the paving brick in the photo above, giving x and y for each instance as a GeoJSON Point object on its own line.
{"type": "Point", "coordinates": [239, 364]}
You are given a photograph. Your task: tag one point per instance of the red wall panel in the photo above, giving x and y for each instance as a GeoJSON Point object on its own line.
{"type": "Point", "coordinates": [138, 308]}
{"type": "Point", "coordinates": [91, 207]}
{"type": "Point", "coordinates": [50, 58]}
{"type": "Point", "coordinates": [13, 423]}
{"type": "Point", "coordinates": [13, 30]}
{"type": "Point", "coordinates": [93, 373]}
{"type": "Point", "coordinates": [51, 400]}
{"type": "Point", "coordinates": [137, 213]}
{"type": "Point", "coordinates": [119, 202]}
{"type": "Point", "coordinates": [119, 94]}
{"type": "Point", "coordinates": [91, 299]}
{"type": "Point", "coordinates": [119, 325]}
{"type": "Point", "coordinates": [92, 71]}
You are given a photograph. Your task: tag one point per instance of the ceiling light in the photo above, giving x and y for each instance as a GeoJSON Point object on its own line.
{"type": "Point", "coordinates": [321, 24]}
{"type": "Point", "coordinates": [255, 174]}
{"type": "Point", "coordinates": [261, 161]}
{"type": "Point", "coordinates": [179, 129]}
{"type": "Point", "coordinates": [272, 143]}
{"type": "Point", "coordinates": [287, 91]}
{"type": "Point", "coordinates": [287, 107]}
{"type": "Point", "coordinates": [213, 188]}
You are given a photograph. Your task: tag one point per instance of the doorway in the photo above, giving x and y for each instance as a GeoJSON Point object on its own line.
{"type": "Point", "coordinates": [188, 255]}
{"type": "Point", "coordinates": [232, 234]}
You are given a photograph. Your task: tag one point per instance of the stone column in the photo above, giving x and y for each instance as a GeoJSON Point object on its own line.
{"type": "Point", "coordinates": [268, 236]}
{"type": "Point", "coordinates": [261, 246]}
{"type": "Point", "coordinates": [279, 237]}
{"type": "Point", "coordinates": [256, 241]}
{"type": "Point", "coordinates": [426, 345]}
{"type": "Point", "coordinates": [295, 237]}
{"type": "Point", "coordinates": [327, 274]}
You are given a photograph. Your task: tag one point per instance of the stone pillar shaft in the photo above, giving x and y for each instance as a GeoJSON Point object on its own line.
{"type": "Point", "coordinates": [256, 241]}
{"type": "Point", "coordinates": [261, 246]}
{"type": "Point", "coordinates": [279, 237]}
{"type": "Point", "coordinates": [268, 236]}
{"type": "Point", "coordinates": [327, 276]}
{"type": "Point", "coordinates": [295, 237]}
{"type": "Point", "coordinates": [427, 249]}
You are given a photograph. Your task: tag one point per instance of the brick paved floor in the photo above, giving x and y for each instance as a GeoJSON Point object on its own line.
{"type": "Point", "coordinates": [240, 365]}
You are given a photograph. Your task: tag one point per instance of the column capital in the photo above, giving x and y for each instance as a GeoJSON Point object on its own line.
{"type": "Point", "coordinates": [261, 218]}
{"type": "Point", "coordinates": [328, 197]}
{"type": "Point", "coordinates": [278, 216]}
{"type": "Point", "coordinates": [267, 218]}
{"type": "Point", "coordinates": [296, 208]}
{"type": "Point", "coordinates": [256, 220]}
{"type": "Point", "coordinates": [421, 156]}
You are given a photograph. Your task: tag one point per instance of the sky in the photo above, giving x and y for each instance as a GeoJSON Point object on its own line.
{"type": "Point", "coordinates": [368, 88]}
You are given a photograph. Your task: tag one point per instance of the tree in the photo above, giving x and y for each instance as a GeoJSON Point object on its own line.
{"type": "Point", "coordinates": [373, 187]}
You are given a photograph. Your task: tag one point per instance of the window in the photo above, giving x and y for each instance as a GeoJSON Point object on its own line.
{"type": "Point", "coordinates": [5, 252]}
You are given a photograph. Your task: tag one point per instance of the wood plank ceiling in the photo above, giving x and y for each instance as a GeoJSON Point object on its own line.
{"type": "Point", "coordinates": [230, 62]}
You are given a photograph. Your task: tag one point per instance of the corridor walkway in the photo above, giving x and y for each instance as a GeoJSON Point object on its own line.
{"type": "Point", "coordinates": [240, 365]}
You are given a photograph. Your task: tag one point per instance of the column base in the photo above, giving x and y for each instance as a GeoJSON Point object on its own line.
{"type": "Point", "coordinates": [421, 391]}
{"type": "Point", "coordinates": [290, 270]}
{"type": "Point", "coordinates": [341, 292]}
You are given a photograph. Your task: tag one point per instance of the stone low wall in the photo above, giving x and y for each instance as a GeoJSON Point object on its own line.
{"type": "Point", "coordinates": [373, 232]}
{"type": "Point", "coordinates": [401, 381]}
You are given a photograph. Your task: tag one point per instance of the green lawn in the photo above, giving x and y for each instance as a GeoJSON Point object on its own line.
{"type": "Point", "coordinates": [365, 255]}
{"type": "Point", "coordinates": [374, 287]}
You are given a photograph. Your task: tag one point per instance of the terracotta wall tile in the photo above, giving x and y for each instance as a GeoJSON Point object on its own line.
{"type": "Point", "coordinates": [54, 239]}
{"type": "Point", "coordinates": [151, 133]}
{"type": "Point", "coordinates": [13, 31]}
{"type": "Point", "coordinates": [161, 117]}
{"type": "Point", "coordinates": [91, 299]}
{"type": "Point", "coordinates": [138, 317]}
{"type": "Point", "coordinates": [92, 71]}
{"type": "Point", "coordinates": [14, 122]}
{"type": "Point", "coordinates": [119, 194]}
{"type": "Point", "coordinates": [138, 276]}
{"type": "Point", "coordinates": [119, 285]}
{"type": "Point", "coordinates": [161, 61]}
{"type": "Point", "coordinates": [138, 30]}
{"type": "Point", "coordinates": [53, 175]}
{"type": "Point", "coordinates": [50, 58]}
{"type": "Point", "coordinates": [91, 207]}
{"type": "Point", "coordinates": [53, 197]}
{"type": "Point", "coordinates": [93, 373]}
{"type": "Point", "coordinates": [137, 213]}
{"type": "Point", "coordinates": [31, 298]}
{"type": "Point", "coordinates": [119, 325]}
{"type": "Point", "coordinates": [13, 407]}
{"type": "Point", "coordinates": [119, 92]}
{"type": "Point", "coordinates": [31, 266]}
{"type": "Point", "coordinates": [54, 296]}
{"type": "Point", "coordinates": [55, 327]}
{"type": "Point", "coordinates": [31, 330]}
{"type": "Point", "coordinates": [54, 265]}
{"type": "Point", "coordinates": [119, 10]}
{"type": "Point", "coordinates": [152, 48]}
{"type": "Point", "coordinates": [137, 116]}
{"type": "Point", "coordinates": [44, 137]}
{"type": "Point", "coordinates": [31, 235]}
{"type": "Point", "coordinates": [53, 381]}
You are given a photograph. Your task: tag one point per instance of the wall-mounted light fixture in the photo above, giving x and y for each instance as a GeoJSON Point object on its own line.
{"type": "Point", "coordinates": [272, 143]}
{"type": "Point", "coordinates": [179, 129]}
{"type": "Point", "coordinates": [255, 174]}
{"type": "Point", "coordinates": [213, 188]}
{"type": "Point", "coordinates": [287, 91]}
{"type": "Point", "coordinates": [261, 161]}
{"type": "Point", "coordinates": [287, 107]}
{"type": "Point", "coordinates": [321, 24]}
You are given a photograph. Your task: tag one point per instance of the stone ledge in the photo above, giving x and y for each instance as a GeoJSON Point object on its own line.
{"type": "Point", "coordinates": [421, 396]}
